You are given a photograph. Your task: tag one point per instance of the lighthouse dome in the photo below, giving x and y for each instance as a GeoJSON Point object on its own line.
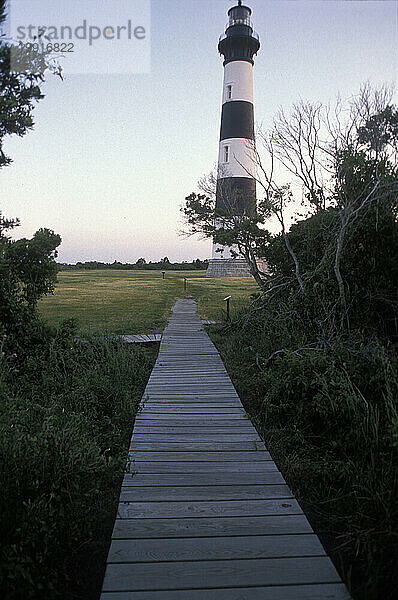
{"type": "Point", "coordinates": [239, 15]}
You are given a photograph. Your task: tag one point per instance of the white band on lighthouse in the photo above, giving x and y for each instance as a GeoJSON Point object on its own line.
{"type": "Point", "coordinates": [236, 158]}
{"type": "Point", "coordinates": [238, 81]}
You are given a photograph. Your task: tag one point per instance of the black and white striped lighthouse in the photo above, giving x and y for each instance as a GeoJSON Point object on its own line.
{"type": "Point", "coordinates": [236, 185]}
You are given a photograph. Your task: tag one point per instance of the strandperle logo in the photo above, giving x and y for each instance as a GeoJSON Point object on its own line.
{"type": "Point", "coordinates": [94, 36]}
{"type": "Point", "coordinates": [87, 32]}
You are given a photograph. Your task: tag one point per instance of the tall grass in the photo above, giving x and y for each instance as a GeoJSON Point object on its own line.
{"type": "Point", "coordinates": [66, 415]}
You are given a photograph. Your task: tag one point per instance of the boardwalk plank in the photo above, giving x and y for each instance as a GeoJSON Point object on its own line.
{"type": "Point", "coordinates": [204, 492]}
{"type": "Point", "coordinates": [326, 591]}
{"type": "Point", "coordinates": [193, 430]}
{"type": "Point", "coordinates": [178, 479]}
{"type": "Point", "coordinates": [201, 456]}
{"type": "Point", "coordinates": [192, 402]}
{"type": "Point", "coordinates": [193, 446]}
{"type": "Point", "coordinates": [190, 410]}
{"type": "Point", "coordinates": [202, 467]}
{"type": "Point", "coordinates": [180, 437]}
{"type": "Point", "coordinates": [226, 508]}
{"type": "Point", "coordinates": [211, 526]}
{"type": "Point", "coordinates": [219, 573]}
{"type": "Point", "coordinates": [208, 548]}
{"type": "Point", "coordinates": [156, 420]}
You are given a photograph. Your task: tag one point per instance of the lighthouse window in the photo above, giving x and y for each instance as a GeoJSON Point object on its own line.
{"type": "Point", "coordinates": [229, 92]}
{"type": "Point", "coordinates": [226, 154]}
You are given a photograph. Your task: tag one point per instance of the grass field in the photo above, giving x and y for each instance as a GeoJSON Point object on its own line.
{"type": "Point", "coordinates": [138, 301]}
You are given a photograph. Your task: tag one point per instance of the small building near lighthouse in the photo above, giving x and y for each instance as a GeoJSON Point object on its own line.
{"type": "Point", "coordinates": [236, 183]}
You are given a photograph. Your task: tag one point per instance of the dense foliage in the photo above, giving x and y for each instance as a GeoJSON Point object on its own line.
{"type": "Point", "coordinates": [66, 414]}
{"type": "Point", "coordinates": [329, 418]}
{"type": "Point", "coordinates": [368, 262]}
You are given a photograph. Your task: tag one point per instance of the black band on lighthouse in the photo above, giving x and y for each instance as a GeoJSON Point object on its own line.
{"type": "Point", "coordinates": [236, 195]}
{"type": "Point", "coordinates": [237, 120]}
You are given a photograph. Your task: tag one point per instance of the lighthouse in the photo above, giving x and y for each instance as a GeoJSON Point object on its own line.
{"type": "Point", "coordinates": [236, 184]}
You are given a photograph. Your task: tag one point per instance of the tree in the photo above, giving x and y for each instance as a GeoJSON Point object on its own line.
{"type": "Point", "coordinates": [31, 264]}
{"type": "Point", "coordinates": [27, 272]}
{"type": "Point", "coordinates": [354, 161]}
{"type": "Point", "coordinates": [227, 226]}
{"type": "Point", "coordinates": [141, 262]}
{"type": "Point", "coordinates": [17, 98]}
{"type": "Point", "coordinates": [380, 132]}
{"type": "Point", "coordinates": [21, 73]}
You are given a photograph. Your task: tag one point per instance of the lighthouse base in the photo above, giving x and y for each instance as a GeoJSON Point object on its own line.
{"type": "Point", "coordinates": [228, 267]}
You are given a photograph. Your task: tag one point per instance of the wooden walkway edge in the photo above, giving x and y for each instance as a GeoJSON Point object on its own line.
{"type": "Point", "coordinates": [204, 513]}
{"type": "Point", "coordinates": [142, 338]}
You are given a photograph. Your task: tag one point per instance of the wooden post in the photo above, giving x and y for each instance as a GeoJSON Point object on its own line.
{"type": "Point", "coordinates": [163, 274]}
{"type": "Point", "coordinates": [185, 284]}
{"type": "Point", "coordinates": [228, 299]}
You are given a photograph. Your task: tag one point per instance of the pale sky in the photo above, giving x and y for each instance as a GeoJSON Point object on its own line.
{"type": "Point", "coordinates": [112, 157]}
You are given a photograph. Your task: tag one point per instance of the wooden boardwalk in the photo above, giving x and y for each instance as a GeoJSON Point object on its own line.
{"type": "Point", "coordinates": [205, 514]}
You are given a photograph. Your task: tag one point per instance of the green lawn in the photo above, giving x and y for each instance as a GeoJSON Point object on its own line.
{"type": "Point", "coordinates": [138, 301]}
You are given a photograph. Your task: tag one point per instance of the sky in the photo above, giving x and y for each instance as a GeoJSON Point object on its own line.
{"type": "Point", "coordinates": [112, 157]}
